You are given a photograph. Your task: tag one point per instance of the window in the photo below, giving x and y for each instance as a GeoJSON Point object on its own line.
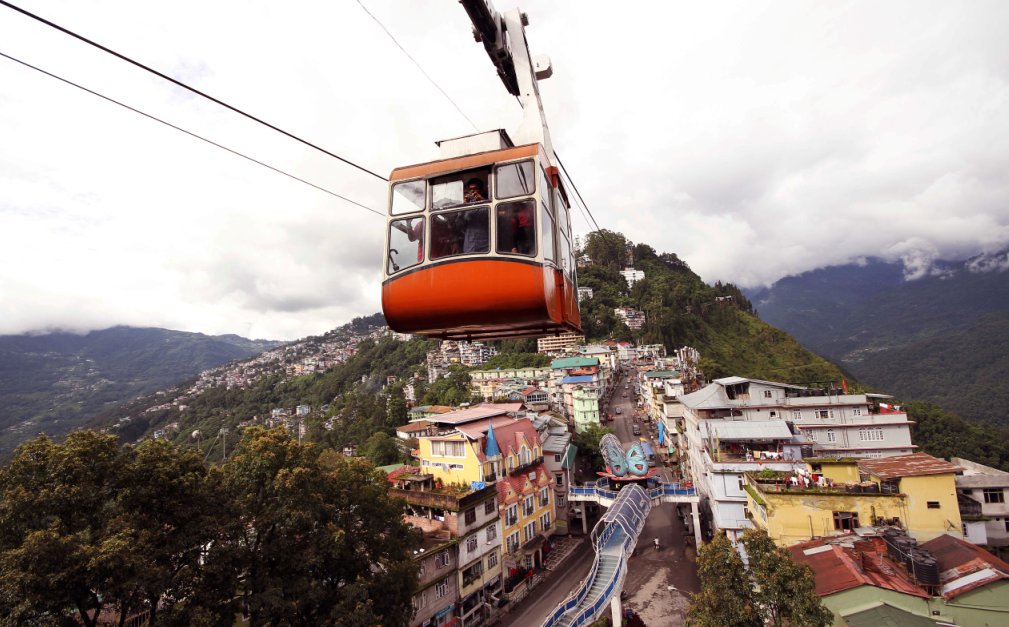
{"type": "Point", "coordinates": [994, 495]}
{"type": "Point", "coordinates": [511, 515]}
{"type": "Point", "coordinates": [491, 533]}
{"type": "Point", "coordinates": [441, 448]}
{"type": "Point", "coordinates": [547, 234]}
{"type": "Point", "coordinates": [420, 600]}
{"type": "Point", "coordinates": [545, 521]}
{"type": "Point", "coordinates": [492, 560]}
{"type": "Point", "coordinates": [406, 244]}
{"type": "Point", "coordinates": [529, 531]}
{"type": "Point", "coordinates": [516, 227]}
{"type": "Point", "coordinates": [823, 414]}
{"type": "Point", "coordinates": [856, 411]}
{"type": "Point", "coordinates": [472, 543]}
{"type": "Point", "coordinates": [831, 436]}
{"type": "Point", "coordinates": [470, 516]}
{"type": "Point", "coordinates": [1006, 522]}
{"type": "Point", "coordinates": [441, 560]}
{"type": "Point", "coordinates": [932, 504]}
{"type": "Point", "coordinates": [796, 414]}
{"type": "Point", "coordinates": [845, 521]}
{"type": "Point", "coordinates": [559, 479]}
{"type": "Point", "coordinates": [459, 189]}
{"type": "Point", "coordinates": [544, 497]}
{"type": "Point", "coordinates": [408, 197]}
{"type": "Point", "coordinates": [472, 573]}
{"type": "Point", "coordinates": [515, 179]}
{"type": "Point", "coordinates": [460, 232]}
{"type": "Point", "coordinates": [767, 394]}
{"type": "Point", "coordinates": [489, 507]}
{"type": "Point", "coordinates": [441, 589]}
{"type": "Point", "coordinates": [870, 434]}
{"type": "Point", "coordinates": [741, 484]}
{"type": "Point", "coordinates": [513, 542]}
{"type": "Point", "coordinates": [421, 569]}
{"type": "Point", "coordinates": [565, 254]}
{"type": "Point", "coordinates": [528, 506]}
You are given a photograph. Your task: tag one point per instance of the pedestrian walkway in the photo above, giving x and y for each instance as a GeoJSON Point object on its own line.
{"type": "Point", "coordinates": [562, 547]}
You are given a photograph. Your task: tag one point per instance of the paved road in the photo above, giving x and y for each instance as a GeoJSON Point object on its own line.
{"type": "Point", "coordinates": [557, 586]}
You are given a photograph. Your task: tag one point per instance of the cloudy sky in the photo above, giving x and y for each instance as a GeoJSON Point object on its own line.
{"type": "Point", "coordinates": [755, 140]}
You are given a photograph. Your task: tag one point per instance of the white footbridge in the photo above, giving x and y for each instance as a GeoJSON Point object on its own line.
{"type": "Point", "coordinates": [614, 538]}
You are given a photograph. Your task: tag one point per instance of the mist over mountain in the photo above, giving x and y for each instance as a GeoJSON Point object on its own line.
{"type": "Point", "coordinates": [53, 382]}
{"type": "Point", "coordinates": [941, 337]}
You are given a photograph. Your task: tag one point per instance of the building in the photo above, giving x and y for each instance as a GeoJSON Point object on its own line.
{"type": "Point", "coordinates": [559, 343]}
{"type": "Point", "coordinates": [437, 580]}
{"type": "Point", "coordinates": [632, 276]}
{"type": "Point", "coordinates": [559, 458]}
{"type": "Point", "coordinates": [560, 369]}
{"type": "Point", "coordinates": [869, 580]}
{"type": "Point", "coordinates": [985, 489]}
{"type": "Point", "coordinates": [584, 293]}
{"type": "Point", "coordinates": [469, 518]}
{"type": "Point", "coordinates": [832, 497]}
{"type": "Point", "coordinates": [633, 318]}
{"type": "Point", "coordinates": [486, 382]}
{"type": "Point", "coordinates": [585, 407]}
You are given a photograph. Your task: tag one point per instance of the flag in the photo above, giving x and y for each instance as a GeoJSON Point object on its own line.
{"type": "Point", "coordinates": [844, 386]}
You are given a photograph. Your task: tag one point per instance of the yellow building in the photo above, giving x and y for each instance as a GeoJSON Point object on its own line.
{"type": "Point", "coordinates": [488, 444]}
{"type": "Point", "coordinates": [832, 497]}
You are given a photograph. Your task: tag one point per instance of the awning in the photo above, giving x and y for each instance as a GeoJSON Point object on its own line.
{"type": "Point", "coordinates": [728, 430]}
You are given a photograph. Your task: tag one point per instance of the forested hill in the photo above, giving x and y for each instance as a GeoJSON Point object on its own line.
{"type": "Point", "coordinates": [681, 310]}
{"type": "Point", "coordinates": [54, 382]}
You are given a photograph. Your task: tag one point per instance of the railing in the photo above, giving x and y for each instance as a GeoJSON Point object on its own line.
{"type": "Point", "coordinates": [537, 461]}
{"type": "Point", "coordinates": [664, 489]}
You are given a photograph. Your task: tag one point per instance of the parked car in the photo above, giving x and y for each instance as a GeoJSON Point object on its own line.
{"type": "Point", "coordinates": [636, 429]}
{"type": "Point", "coordinates": [619, 410]}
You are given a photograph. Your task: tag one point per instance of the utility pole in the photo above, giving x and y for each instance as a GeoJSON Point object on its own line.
{"type": "Point", "coordinates": [224, 449]}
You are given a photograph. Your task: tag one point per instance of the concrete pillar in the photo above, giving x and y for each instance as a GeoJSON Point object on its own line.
{"type": "Point", "coordinates": [616, 612]}
{"type": "Point", "coordinates": [585, 516]}
{"type": "Point", "coordinates": [696, 516]}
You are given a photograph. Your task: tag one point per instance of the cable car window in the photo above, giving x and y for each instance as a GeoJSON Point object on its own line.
{"type": "Point", "coordinates": [460, 232]}
{"type": "Point", "coordinates": [407, 197]}
{"type": "Point", "coordinates": [406, 244]}
{"type": "Point", "coordinates": [546, 234]}
{"type": "Point", "coordinates": [515, 179]}
{"type": "Point", "coordinates": [544, 189]}
{"type": "Point", "coordinates": [561, 214]}
{"type": "Point", "coordinates": [565, 253]}
{"type": "Point", "coordinates": [516, 227]}
{"type": "Point", "coordinates": [460, 189]}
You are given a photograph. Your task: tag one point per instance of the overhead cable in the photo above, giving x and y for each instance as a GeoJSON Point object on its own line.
{"type": "Point", "coordinates": [578, 194]}
{"type": "Point", "coordinates": [188, 87]}
{"type": "Point", "coordinates": [191, 134]}
{"type": "Point", "coordinates": [419, 67]}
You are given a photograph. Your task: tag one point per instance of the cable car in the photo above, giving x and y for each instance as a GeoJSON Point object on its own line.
{"type": "Point", "coordinates": [478, 243]}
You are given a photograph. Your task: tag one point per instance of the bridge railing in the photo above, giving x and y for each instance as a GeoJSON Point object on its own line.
{"type": "Point", "coordinates": [664, 489]}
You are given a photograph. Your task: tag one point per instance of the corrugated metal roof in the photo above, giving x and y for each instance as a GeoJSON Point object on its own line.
{"type": "Point", "coordinates": [574, 362]}
{"type": "Point", "coordinates": [479, 412]}
{"type": "Point", "coordinates": [836, 570]}
{"type": "Point", "coordinates": [913, 465]}
{"type": "Point", "coordinates": [581, 379]}
{"type": "Point", "coordinates": [746, 429]}
{"type": "Point", "coordinates": [960, 563]}
{"type": "Point", "coordinates": [887, 616]}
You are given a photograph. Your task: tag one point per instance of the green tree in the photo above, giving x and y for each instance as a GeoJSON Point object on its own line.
{"type": "Point", "coordinates": [381, 449]}
{"type": "Point", "coordinates": [607, 248]}
{"type": "Point", "coordinates": [318, 538]}
{"type": "Point", "coordinates": [588, 447]}
{"type": "Point", "coordinates": [86, 526]}
{"type": "Point", "coordinates": [453, 389]}
{"type": "Point", "coordinates": [786, 590]}
{"type": "Point", "coordinates": [726, 597]}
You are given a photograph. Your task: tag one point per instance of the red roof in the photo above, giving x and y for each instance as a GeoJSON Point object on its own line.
{"type": "Point", "coordinates": [420, 425]}
{"type": "Point", "coordinates": [838, 568]}
{"type": "Point", "coordinates": [914, 465]}
{"type": "Point", "coordinates": [518, 482]}
{"type": "Point", "coordinates": [957, 559]}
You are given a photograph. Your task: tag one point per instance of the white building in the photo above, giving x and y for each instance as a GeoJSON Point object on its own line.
{"type": "Point", "coordinates": [584, 293]}
{"type": "Point", "coordinates": [632, 276]}
{"type": "Point", "coordinates": [633, 318]}
{"type": "Point", "coordinates": [558, 343]}
{"type": "Point", "coordinates": [987, 487]}
{"type": "Point", "coordinates": [736, 425]}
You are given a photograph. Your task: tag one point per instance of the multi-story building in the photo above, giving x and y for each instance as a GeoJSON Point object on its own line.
{"type": "Point", "coordinates": [437, 580]}
{"type": "Point", "coordinates": [585, 407]}
{"type": "Point", "coordinates": [559, 343]}
{"type": "Point", "coordinates": [985, 489]}
{"type": "Point", "coordinates": [485, 382]}
{"type": "Point", "coordinates": [494, 444]}
{"type": "Point", "coordinates": [633, 318]}
{"type": "Point", "coordinates": [584, 293]}
{"type": "Point", "coordinates": [559, 458]}
{"type": "Point", "coordinates": [736, 425]}
{"type": "Point", "coordinates": [835, 496]}
{"type": "Point", "coordinates": [568, 367]}
{"type": "Point", "coordinates": [469, 517]}
{"type": "Point", "coordinates": [632, 276]}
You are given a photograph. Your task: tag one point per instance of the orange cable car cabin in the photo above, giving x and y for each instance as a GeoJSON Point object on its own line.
{"type": "Point", "coordinates": [478, 245]}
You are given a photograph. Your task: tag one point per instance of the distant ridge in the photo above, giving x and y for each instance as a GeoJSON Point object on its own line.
{"type": "Point", "coordinates": [942, 338]}
{"type": "Point", "coordinates": [53, 382]}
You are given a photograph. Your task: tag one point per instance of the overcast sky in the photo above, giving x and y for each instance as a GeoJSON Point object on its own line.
{"type": "Point", "coordinates": [755, 140]}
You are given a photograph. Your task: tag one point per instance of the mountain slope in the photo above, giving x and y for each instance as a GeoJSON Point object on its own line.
{"type": "Point", "coordinates": [940, 338]}
{"type": "Point", "coordinates": [53, 382]}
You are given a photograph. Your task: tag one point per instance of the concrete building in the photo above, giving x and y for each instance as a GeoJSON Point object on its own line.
{"type": "Point", "coordinates": [632, 276]}
{"type": "Point", "coordinates": [559, 343]}
{"type": "Point", "coordinates": [585, 407]}
{"type": "Point", "coordinates": [831, 497]}
{"type": "Point", "coordinates": [736, 425]}
{"type": "Point", "coordinates": [633, 318]}
{"type": "Point", "coordinates": [985, 487]}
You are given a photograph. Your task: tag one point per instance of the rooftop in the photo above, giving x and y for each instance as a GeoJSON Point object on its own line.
{"type": "Point", "coordinates": [914, 465]}
{"type": "Point", "coordinates": [574, 362]}
{"type": "Point", "coordinates": [479, 412]}
{"type": "Point", "coordinates": [840, 565]}
{"type": "Point", "coordinates": [963, 566]}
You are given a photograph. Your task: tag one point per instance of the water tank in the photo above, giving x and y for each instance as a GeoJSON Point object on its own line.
{"type": "Point", "coordinates": [926, 569]}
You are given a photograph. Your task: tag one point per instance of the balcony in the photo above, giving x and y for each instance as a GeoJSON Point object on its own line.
{"type": "Point", "coordinates": [770, 482]}
{"type": "Point", "coordinates": [524, 467]}
{"type": "Point", "coordinates": [449, 497]}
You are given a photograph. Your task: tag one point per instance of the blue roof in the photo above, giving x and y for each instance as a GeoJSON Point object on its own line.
{"type": "Point", "coordinates": [584, 378]}
{"type": "Point", "coordinates": [492, 447]}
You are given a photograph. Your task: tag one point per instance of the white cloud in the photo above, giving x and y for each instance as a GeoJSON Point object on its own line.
{"type": "Point", "coordinates": [753, 139]}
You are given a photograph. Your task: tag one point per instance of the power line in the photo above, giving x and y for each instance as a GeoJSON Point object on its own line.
{"type": "Point", "coordinates": [422, 71]}
{"type": "Point", "coordinates": [190, 133]}
{"type": "Point", "coordinates": [187, 87]}
{"type": "Point", "coordinates": [578, 194]}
